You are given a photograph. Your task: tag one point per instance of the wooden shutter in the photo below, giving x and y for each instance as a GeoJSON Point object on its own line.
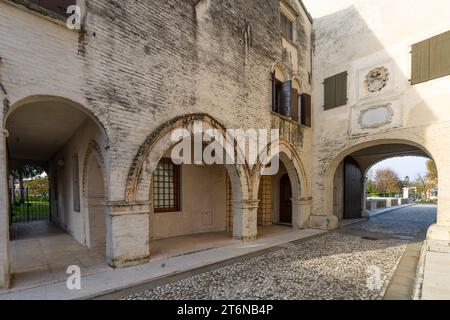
{"type": "Point", "coordinates": [286, 98]}
{"type": "Point", "coordinates": [440, 56]}
{"type": "Point", "coordinates": [294, 108]}
{"type": "Point", "coordinates": [330, 93]}
{"type": "Point", "coordinates": [274, 95]}
{"type": "Point", "coordinates": [420, 69]}
{"type": "Point", "coordinates": [341, 89]}
{"type": "Point", "coordinates": [306, 109]}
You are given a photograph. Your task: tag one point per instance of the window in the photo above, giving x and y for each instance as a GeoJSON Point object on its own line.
{"type": "Point", "coordinates": [56, 6]}
{"type": "Point", "coordinates": [335, 91]}
{"type": "Point", "coordinates": [289, 103]}
{"type": "Point", "coordinates": [76, 184]}
{"type": "Point", "coordinates": [431, 59]}
{"type": "Point", "coordinates": [287, 27]}
{"type": "Point", "coordinates": [166, 187]}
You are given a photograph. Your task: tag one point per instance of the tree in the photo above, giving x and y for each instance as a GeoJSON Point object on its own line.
{"type": "Point", "coordinates": [431, 178]}
{"type": "Point", "coordinates": [38, 186]}
{"type": "Point", "coordinates": [28, 171]}
{"type": "Point", "coordinates": [387, 181]}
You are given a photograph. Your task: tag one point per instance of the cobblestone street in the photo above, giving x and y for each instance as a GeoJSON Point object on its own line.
{"type": "Point", "coordinates": [339, 265]}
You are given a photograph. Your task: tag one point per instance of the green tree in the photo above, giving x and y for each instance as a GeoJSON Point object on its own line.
{"type": "Point", "coordinates": [387, 181]}
{"type": "Point", "coordinates": [38, 186]}
{"type": "Point", "coordinates": [26, 172]}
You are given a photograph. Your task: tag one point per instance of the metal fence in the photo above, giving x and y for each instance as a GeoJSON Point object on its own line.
{"type": "Point", "coordinates": [33, 208]}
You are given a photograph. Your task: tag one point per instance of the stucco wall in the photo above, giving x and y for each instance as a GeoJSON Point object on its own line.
{"type": "Point", "coordinates": [362, 36]}
{"type": "Point", "coordinates": [73, 222]}
{"type": "Point", "coordinates": [203, 204]}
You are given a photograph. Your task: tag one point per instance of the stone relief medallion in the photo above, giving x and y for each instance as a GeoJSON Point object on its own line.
{"type": "Point", "coordinates": [377, 79]}
{"type": "Point", "coordinates": [376, 117]}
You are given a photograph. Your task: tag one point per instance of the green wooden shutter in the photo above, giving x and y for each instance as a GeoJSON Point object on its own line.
{"type": "Point", "coordinates": [341, 89]}
{"type": "Point", "coordinates": [440, 56]}
{"type": "Point", "coordinates": [330, 93]}
{"type": "Point", "coordinates": [420, 69]}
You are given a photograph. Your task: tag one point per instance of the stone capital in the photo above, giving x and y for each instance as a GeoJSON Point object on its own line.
{"type": "Point", "coordinates": [122, 208]}
{"type": "Point", "coordinates": [246, 204]}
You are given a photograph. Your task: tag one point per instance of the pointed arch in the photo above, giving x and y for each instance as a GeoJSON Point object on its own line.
{"type": "Point", "coordinates": [158, 142]}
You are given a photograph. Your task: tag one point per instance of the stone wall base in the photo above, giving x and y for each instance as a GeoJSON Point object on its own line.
{"type": "Point", "coordinates": [324, 222]}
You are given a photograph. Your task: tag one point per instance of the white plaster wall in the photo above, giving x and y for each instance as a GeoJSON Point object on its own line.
{"type": "Point", "coordinates": [363, 35]}
{"type": "Point", "coordinates": [71, 221]}
{"type": "Point", "coordinates": [203, 204]}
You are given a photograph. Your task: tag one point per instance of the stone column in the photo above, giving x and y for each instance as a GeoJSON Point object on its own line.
{"type": "Point", "coordinates": [245, 218]}
{"type": "Point", "coordinates": [4, 215]}
{"type": "Point", "coordinates": [406, 193]}
{"type": "Point", "coordinates": [302, 211]}
{"type": "Point", "coordinates": [441, 230]}
{"type": "Point", "coordinates": [128, 234]}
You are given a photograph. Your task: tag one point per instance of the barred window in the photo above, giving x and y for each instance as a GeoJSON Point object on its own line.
{"type": "Point", "coordinates": [166, 187]}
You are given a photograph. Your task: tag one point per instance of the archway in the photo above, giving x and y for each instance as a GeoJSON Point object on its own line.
{"type": "Point", "coordinates": [188, 199]}
{"type": "Point", "coordinates": [287, 191]}
{"type": "Point", "coordinates": [95, 197]}
{"type": "Point", "coordinates": [346, 192]}
{"type": "Point", "coordinates": [55, 133]}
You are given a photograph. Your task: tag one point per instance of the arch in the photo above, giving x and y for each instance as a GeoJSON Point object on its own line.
{"type": "Point", "coordinates": [280, 73]}
{"type": "Point", "coordinates": [50, 98]}
{"type": "Point", "coordinates": [94, 193]}
{"type": "Point", "coordinates": [296, 171]}
{"type": "Point", "coordinates": [157, 143]}
{"type": "Point", "coordinates": [329, 169]}
{"type": "Point", "coordinates": [95, 151]}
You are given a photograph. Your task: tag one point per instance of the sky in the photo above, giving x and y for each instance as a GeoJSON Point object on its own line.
{"type": "Point", "coordinates": [405, 166]}
{"type": "Point", "coordinates": [319, 8]}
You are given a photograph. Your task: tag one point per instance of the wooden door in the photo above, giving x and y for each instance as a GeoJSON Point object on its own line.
{"type": "Point", "coordinates": [352, 189]}
{"type": "Point", "coordinates": [285, 200]}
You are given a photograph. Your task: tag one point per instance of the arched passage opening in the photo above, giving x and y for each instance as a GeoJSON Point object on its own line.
{"type": "Point", "coordinates": [283, 196]}
{"type": "Point", "coordinates": [55, 134]}
{"type": "Point", "coordinates": [352, 194]}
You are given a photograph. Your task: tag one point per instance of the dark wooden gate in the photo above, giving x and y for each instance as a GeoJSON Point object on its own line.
{"type": "Point", "coordinates": [352, 189]}
{"type": "Point", "coordinates": [285, 200]}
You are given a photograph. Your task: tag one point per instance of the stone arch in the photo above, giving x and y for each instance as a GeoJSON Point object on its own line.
{"type": "Point", "coordinates": [10, 108]}
{"type": "Point", "coordinates": [329, 169]}
{"type": "Point", "coordinates": [157, 143]}
{"type": "Point", "coordinates": [280, 72]}
{"type": "Point", "coordinates": [95, 196]}
{"type": "Point", "coordinates": [301, 198]}
{"type": "Point", "coordinates": [95, 151]}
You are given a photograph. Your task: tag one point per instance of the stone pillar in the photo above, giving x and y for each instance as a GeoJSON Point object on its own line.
{"type": "Point", "coordinates": [128, 234]}
{"type": "Point", "coordinates": [302, 211]}
{"type": "Point", "coordinates": [441, 230]}
{"type": "Point", "coordinates": [245, 217]}
{"type": "Point", "coordinates": [4, 215]}
{"type": "Point", "coordinates": [329, 222]}
{"type": "Point", "coordinates": [388, 202]}
{"type": "Point", "coordinates": [406, 193]}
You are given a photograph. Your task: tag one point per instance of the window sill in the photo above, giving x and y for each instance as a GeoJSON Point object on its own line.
{"type": "Point", "coordinates": [41, 12]}
{"type": "Point", "coordinates": [291, 42]}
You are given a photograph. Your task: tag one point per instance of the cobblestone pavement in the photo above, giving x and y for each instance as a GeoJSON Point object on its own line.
{"type": "Point", "coordinates": [356, 262]}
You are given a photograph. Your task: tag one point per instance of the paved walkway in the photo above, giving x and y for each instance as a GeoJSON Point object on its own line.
{"type": "Point", "coordinates": [109, 280]}
{"type": "Point", "coordinates": [356, 262]}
